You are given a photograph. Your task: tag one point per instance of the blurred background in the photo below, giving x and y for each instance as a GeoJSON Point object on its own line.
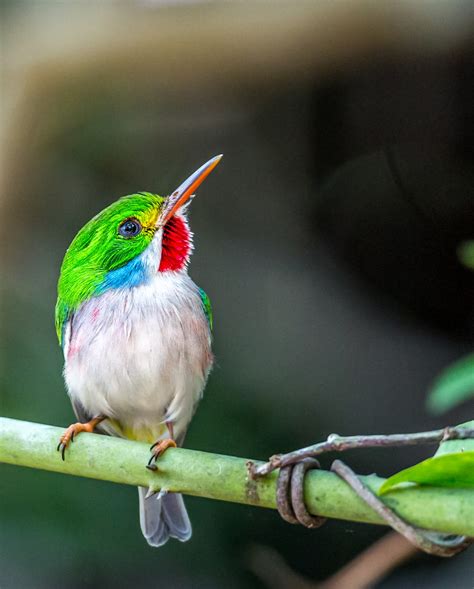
{"type": "Point", "coordinates": [327, 240]}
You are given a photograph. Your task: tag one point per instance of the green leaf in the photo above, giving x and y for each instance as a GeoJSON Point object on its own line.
{"type": "Point", "coordinates": [453, 386]}
{"type": "Point", "coordinates": [447, 470]}
{"type": "Point", "coordinates": [465, 253]}
{"type": "Point", "coordinates": [461, 445]}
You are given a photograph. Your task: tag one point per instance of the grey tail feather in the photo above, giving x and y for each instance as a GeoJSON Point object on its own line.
{"type": "Point", "coordinates": [163, 517]}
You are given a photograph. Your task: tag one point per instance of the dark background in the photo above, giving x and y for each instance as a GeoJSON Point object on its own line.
{"type": "Point", "coordinates": [326, 240]}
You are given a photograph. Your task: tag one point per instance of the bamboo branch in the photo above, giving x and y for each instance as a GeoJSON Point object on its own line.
{"type": "Point", "coordinates": [225, 478]}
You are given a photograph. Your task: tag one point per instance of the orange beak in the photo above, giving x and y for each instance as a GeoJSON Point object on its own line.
{"type": "Point", "coordinates": [186, 191]}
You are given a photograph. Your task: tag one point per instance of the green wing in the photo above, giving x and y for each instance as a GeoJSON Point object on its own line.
{"type": "Point", "coordinates": [61, 316]}
{"type": "Point", "coordinates": [206, 305]}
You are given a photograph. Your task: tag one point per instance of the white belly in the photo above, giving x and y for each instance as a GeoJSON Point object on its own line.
{"type": "Point", "coordinates": [140, 356]}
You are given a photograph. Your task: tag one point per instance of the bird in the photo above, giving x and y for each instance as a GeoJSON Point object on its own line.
{"type": "Point", "coordinates": [136, 334]}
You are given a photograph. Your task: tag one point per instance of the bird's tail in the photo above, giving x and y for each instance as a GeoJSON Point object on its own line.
{"type": "Point", "coordinates": [163, 517]}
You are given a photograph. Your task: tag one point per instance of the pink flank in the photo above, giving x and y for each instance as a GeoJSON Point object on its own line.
{"type": "Point", "coordinates": [72, 350]}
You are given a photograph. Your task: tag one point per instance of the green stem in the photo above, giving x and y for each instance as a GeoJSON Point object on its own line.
{"type": "Point", "coordinates": [225, 478]}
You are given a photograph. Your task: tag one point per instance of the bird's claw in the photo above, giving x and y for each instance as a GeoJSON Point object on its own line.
{"type": "Point", "coordinates": [157, 449]}
{"type": "Point", "coordinates": [66, 439]}
{"type": "Point", "coordinates": [73, 430]}
{"type": "Point", "coordinates": [62, 448]}
{"type": "Point", "coordinates": [150, 465]}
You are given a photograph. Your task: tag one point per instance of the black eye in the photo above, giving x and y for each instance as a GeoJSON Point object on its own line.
{"type": "Point", "coordinates": [130, 228]}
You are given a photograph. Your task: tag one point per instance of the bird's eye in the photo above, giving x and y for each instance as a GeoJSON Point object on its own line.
{"type": "Point", "coordinates": [129, 228]}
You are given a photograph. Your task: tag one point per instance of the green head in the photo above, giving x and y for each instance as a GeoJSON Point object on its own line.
{"type": "Point", "coordinates": [125, 243]}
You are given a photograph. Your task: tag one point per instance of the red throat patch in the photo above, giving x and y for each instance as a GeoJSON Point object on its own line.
{"type": "Point", "coordinates": [176, 245]}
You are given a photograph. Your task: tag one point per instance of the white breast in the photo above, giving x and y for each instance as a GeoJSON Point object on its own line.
{"type": "Point", "coordinates": [142, 355]}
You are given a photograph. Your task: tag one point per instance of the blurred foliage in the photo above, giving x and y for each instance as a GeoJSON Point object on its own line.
{"type": "Point", "coordinates": [456, 383]}
{"type": "Point", "coordinates": [466, 254]}
{"type": "Point", "coordinates": [453, 386]}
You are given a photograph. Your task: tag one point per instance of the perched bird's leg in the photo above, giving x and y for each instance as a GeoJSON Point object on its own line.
{"type": "Point", "coordinates": [75, 429]}
{"type": "Point", "coordinates": [160, 446]}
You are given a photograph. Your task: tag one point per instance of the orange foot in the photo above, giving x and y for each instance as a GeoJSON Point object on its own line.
{"type": "Point", "coordinates": [74, 430]}
{"type": "Point", "coordinates": [157, 450]}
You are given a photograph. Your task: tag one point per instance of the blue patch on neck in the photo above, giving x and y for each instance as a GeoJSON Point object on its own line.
{"type": "Point", "coordinates": [132, 274]}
